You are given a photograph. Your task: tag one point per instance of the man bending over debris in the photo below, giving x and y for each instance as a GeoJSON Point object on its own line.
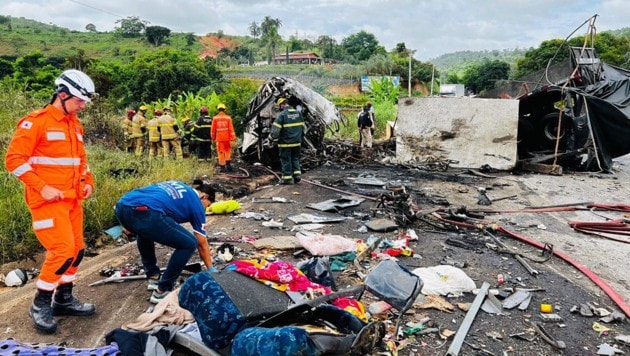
{"type": "Point", "coordinates": [288, 129]}
{"type": "Point", "coordinates": [154, 213]}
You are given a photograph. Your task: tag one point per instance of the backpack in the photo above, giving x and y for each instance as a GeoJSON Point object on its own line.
{"type": "Point", "coordinates": [365, 119]}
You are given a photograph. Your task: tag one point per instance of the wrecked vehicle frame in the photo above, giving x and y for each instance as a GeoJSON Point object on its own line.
{"type": "Point", "coordinates": [319, 116]}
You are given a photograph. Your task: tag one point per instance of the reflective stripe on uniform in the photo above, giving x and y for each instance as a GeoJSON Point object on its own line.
{"type": "Point", "coordinates": [43, 224]}
{"type": "Point", "coordinates": [64, 161]}
{"type": "Point", "coordinates": [45, 285]}
{"type": "Point", "coordinates": [22, 169]}
{"type": "Point", "coordinates": [289, 144]}
{"type": "Point", "coordinates": [67, 278]}
{"type": "Point", "coordinates": [55, 136]}
{"type": "Point", "coordinates": [293, 124]}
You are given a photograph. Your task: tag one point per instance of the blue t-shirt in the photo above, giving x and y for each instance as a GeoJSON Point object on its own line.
{"type": "Point", "coordinates": [175, 199]}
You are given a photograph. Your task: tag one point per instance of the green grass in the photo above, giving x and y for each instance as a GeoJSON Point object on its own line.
{"type": "Point", "coordinates": [28, 37]}
{"type": "Point", "coordinates": [17, 240]}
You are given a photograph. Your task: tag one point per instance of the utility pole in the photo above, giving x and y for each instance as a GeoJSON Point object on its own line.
{"type": "Point", "coordinates": [432, 76]}
{"type": "Point", "coordinates": [409, 76]}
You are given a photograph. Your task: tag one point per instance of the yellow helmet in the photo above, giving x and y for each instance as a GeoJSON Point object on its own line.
{"type": "Point", "coordinates": [143, 108]}
{"type": "Point", "coordinates": [221, 106]}
{"type": "Point", "coordinates": [281, 101]}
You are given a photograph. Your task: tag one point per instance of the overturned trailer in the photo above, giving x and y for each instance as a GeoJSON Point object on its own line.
{"type": "Point", "coordinates": [319, 115]}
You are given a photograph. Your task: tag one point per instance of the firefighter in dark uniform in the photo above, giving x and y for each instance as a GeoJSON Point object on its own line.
{"type": "Point", "coordinates": [201, 135]}
{"type": "Point", "coordinates": [287, 129]}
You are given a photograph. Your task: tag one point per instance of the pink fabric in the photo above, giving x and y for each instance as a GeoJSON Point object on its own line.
{"type": "Point", "coordinates": [278, 272]}
{"type": "Point", "coordinates": [285, 276]}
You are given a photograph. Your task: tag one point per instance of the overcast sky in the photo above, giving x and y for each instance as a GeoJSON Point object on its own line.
{"type": "Point", "coordinates": [431, 27]}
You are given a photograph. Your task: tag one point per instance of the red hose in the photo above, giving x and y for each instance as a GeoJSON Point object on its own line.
{"type": "Point", "coordinates": [618, 299]}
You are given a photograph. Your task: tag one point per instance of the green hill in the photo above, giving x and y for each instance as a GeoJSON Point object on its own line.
{"type": "Point", "coordinates": [457, 62]}
{"type": "Point", "coordinates": [23, 37]}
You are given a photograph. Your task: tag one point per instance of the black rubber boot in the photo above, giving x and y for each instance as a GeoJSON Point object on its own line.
{"type": "Point", "coordinates": [66, 304]}
{"type": "Point", "coordinates": [41, 312]}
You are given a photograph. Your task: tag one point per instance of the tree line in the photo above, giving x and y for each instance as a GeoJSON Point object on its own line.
{"type": "Point", "coordinates": [168, 71]}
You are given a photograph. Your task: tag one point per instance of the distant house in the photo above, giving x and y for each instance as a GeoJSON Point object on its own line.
{"type": "Point", "coordinates": [297, 58]}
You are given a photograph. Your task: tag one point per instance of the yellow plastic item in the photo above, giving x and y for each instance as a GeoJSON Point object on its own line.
{"type": "Point", "coordinates": [224, 207]}
{"type": "Point", "coordinates": [546, 308]}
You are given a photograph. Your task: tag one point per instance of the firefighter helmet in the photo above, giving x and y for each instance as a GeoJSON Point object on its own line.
{"type": "Point", "coordinates": [76, 83]}
{"type": "Point", "coordinates": [281, 101]}
{"type": "Point", "coordinates": [221, 106]}
{"type": "Point", "coordinates": [203, 110]}
{"type": "Point", "coordinates": [131, 112]}
{"type": "Point", "coordinates": [158, 112]}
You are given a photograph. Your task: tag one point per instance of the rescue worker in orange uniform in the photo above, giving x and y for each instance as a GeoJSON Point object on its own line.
{"type": "Point", "coordinates": [169, 133]}
{"type": "Point", "coordinates": [126, 126]}
{"type": "Point", "coordinates": [153, 126]}
{"type": "Point", "coordinates": [222, 132]}
{"type": "Point", "coordinates": [47, 154]}
{"type": "Point", "coordinates": [138, 129]}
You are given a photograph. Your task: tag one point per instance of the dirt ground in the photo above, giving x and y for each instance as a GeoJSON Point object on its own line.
{"type": "Point", "coordinates": [560, 284]}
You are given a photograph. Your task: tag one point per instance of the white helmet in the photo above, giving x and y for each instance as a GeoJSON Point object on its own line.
{"type": "Point", "coordinates": [78, 84]}
{"type": "Point", "coordinates": [16, 278]}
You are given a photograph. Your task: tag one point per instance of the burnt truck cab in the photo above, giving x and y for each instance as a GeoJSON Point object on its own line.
{"type": "Point", "coordinates": [581, 121]}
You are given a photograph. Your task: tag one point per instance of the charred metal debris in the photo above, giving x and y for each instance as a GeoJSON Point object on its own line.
{"type": "Point", "coordinates": [319, 115]}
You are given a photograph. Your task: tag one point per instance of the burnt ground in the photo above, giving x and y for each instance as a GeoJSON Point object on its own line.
{"type": "Point", "coordinates": [561, 284]}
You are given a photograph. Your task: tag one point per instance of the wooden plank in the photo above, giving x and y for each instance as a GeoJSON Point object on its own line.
{"type": "Point", "coordinates": [554, 170]}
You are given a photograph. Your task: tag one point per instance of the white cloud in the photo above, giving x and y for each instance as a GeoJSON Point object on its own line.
{"type": "Point", "coordinates": [429, 26]}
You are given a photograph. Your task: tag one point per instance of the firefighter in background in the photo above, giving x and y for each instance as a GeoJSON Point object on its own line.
{"type": "Point", "coordinates": [126, 126]}
{"type": "Point", "coordinates": [201, 135]}
{"type": "Point", "coordinates": [287, 129]}
{"type": "Point", "coordinates": [169, 134]}
{"type": "Point", "coordinates": [47, 154]}
{"type": "Point", "coordinates": [138, 129]}
{"type": "Point", "coordinates": [153, 126]}
{"type": "Point", "coordinates": [187, 139]}
{"type": "Point", "coordinates": [222, 132]}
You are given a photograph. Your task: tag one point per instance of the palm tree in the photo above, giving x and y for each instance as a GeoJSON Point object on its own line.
{"type": "Point", "coordinates": [254, 29]}
{"type": "Point", "coordinates": [273, 39]}
{"type": "Point", "coordinates": [269, 29]}
{"type": "Point", "coordinates": [268, 23]}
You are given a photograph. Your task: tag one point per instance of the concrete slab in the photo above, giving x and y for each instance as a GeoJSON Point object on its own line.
{"type": "Point", "coordinates": [468, 132]}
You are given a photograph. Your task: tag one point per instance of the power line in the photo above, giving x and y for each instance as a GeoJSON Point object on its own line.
{"type": "Point", "coordinates": [96, 8]}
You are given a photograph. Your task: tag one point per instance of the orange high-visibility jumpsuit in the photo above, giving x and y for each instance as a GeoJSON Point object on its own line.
{"type": "Point", "coordinates": [222, 132]}
{"type": "Point", "coordinates": [47, 149]}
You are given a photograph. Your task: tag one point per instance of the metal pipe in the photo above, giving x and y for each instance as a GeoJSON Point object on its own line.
{"type": "Point", "coordinates": [458, 340]}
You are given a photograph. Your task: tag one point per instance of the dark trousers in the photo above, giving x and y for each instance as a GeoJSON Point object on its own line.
{"type": "Point", "coordinates": [154, 227]}
{"type": "Point", "coordinates": [290, 162]}
{"type": "Point", "coordinates": [204, 150]}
